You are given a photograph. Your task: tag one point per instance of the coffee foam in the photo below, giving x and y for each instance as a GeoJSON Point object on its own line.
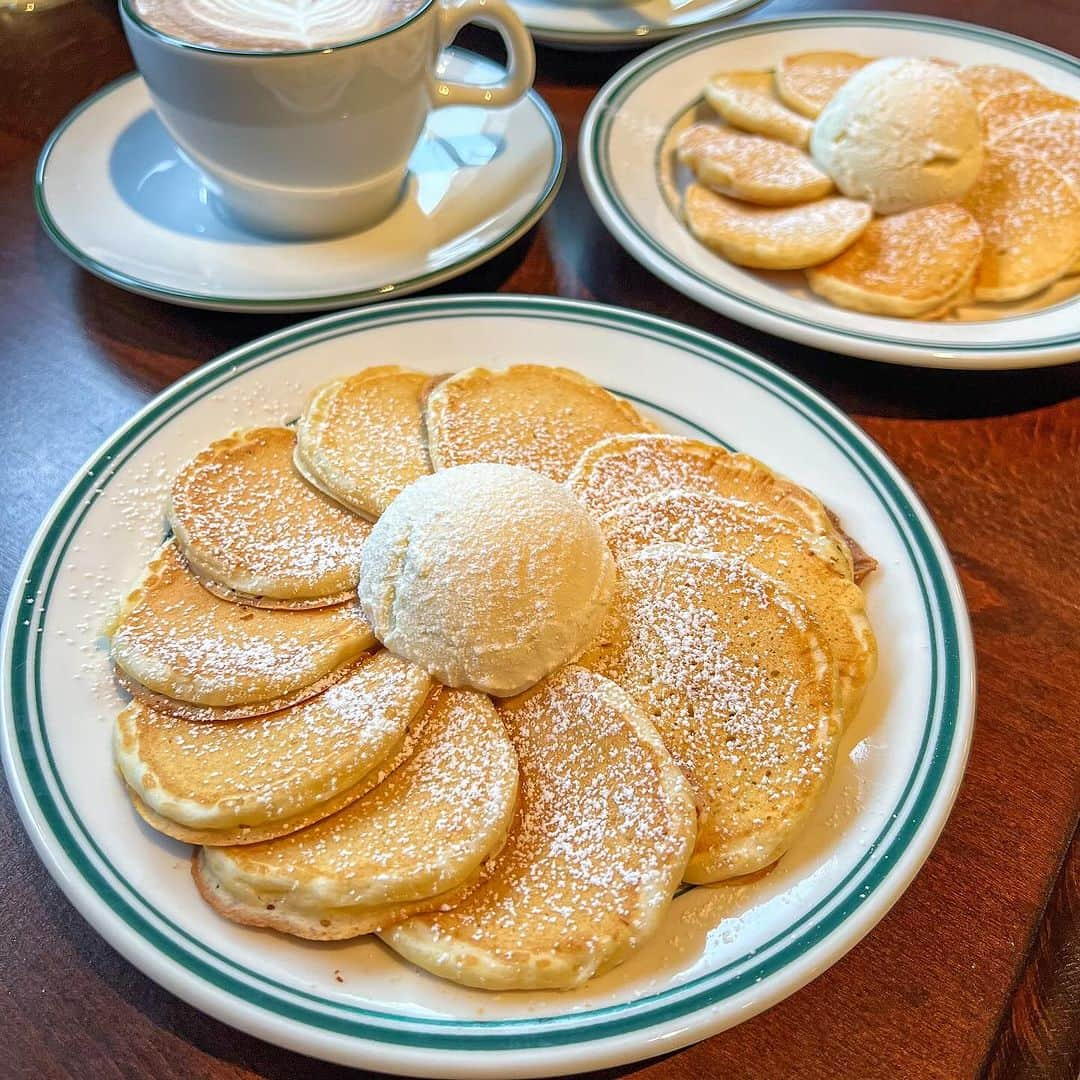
{"type": "Point", "coordinates": [272, 25]}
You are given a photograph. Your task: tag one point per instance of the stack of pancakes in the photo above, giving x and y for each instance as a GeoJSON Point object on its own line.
{"type": "Point", "coordinates": [761, 201]}
{"type": "Point", "coordinates": [334, 789]}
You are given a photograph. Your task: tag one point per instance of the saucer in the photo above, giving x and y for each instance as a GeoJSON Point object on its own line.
{"type": "Point", "coordinates": [610, 24]}
{"type": "Point", "coordinates": [117, 196]}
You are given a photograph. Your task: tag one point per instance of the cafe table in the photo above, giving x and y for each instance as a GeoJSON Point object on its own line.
{"type": "Point", "coordinates": [974, 972]}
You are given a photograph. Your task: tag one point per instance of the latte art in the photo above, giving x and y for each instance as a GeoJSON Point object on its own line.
{"type": "Point", "coordinates": [272, 25]}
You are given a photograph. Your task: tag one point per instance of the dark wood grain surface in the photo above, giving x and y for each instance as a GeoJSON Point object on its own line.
{"type": "Point", "coordinates": [976, 971]}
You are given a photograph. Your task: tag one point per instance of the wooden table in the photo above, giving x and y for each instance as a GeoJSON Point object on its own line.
{"type": "Point", "coordinates": [976, 971]}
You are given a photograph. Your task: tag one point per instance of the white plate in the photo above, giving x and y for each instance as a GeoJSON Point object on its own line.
{"type": "Point", "coordinates": [117, 196]}
{"type": "Point", "coordinates": [723, 953]}
{"type": "Point", "coordinates": [615, 24]}
{"type": "Point", "coordinates": [620, 158]}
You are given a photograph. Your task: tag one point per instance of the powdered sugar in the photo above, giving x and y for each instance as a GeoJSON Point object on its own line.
{"type": "Point", "coordinates": [540, 418]}
{"type": "Point", "coordinates": [630, 466]}
{"type": "Point", "coordinates": [728, 667]}
{"type": "Point", "coordinates": [752, 167]}
{"type": "Point", "coordinates": [600, 837]}
{"type": "Point", "coordinates": [247, 771]}
{"type": "Point", "coordinates": [1052, 138]}
{"type": "Point", "coordinates": [246, 518]}
{"type": "Point", "coordinates": [923, 254]}
{"type": "Point", "coordinates": [177, 639]}
{"type": "Point", "coordinates": [811, 80]}
{"type": "Point", "coordinates": [422, 831]}
{"type": "Point", "coordinates": [1030, 218]}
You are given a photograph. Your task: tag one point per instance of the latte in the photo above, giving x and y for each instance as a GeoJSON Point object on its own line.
{"type": "Point", "coordinates": [272, 25]}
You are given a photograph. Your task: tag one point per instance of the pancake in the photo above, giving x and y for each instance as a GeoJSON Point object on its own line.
{"type": "Point", "coordinates": [1030, 218]}
{"type": "Point", "coordinates": [1052, 138]}
{"type": "Point", "coordinates": [774, 238]}
{"type": "Point", "coordinates": [812, 567]}
{"type": "Point", "coordinates": [705, 520]}
{"type": "Point", "coordinates": [747, 100]}
{"type": "Point", "coordinates": [986, 80]}
{"type": "Point", "coordinates": [187, 652]}
{"type": "Point", "coordinates": [323, 924]}
{"type": "Point", "coordinates": [595, 855]}
{"type": "Point", "coordinates": [538, 417]}
{"type": "Point", "coordinates": [1003, 111]}
{"type": "Point", "coordinates": [904, 265]}
{"type": "Point", "coordinates": [252, 530]}
{"type": "Point", "coordinates": [361, 439]}
{"type": "Point", "coordinates": [964, 295]}
{"type": "Point", "coordinates": [250, 780]}
{"type": "Point", "coordinates": [807, 82]}
{"type": "Point", "coordinates": [630, 466]}
{"type": "Point", "coordinates": [417, 841]}
{"type": "Point", "coordinates": [751, 167]}
{"type": "Point", "coordinates": [740, 684]}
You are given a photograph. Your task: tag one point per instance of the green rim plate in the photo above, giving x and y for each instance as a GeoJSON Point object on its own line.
{"type": "Point", "coordinates": [598, 170]}
{"type": "Point", "coordinates": [292, 1016]}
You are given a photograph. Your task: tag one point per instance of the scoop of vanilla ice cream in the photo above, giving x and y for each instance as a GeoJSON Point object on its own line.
{"type": "Point", "coordinates": [900, 133]}
{"type": "Point", "coordinates": [487, 576]}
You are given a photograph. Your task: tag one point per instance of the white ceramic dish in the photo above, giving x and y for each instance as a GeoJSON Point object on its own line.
{"type": "Point", "coordinates": [118, 197]}
{"type": "Point", "coordinates": [616, 24]}
{"type": "Point", "coordinates": [622, 162]}
{"type": "Point", "coordinates": [723, 953]}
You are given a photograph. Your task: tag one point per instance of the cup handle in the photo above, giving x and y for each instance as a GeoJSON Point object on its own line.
{"type": "Point", "coordinates": [498, 15]}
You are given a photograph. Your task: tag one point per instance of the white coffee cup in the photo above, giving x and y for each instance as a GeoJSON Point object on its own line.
{"type": "Point", "coordinates": [317, 142]}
